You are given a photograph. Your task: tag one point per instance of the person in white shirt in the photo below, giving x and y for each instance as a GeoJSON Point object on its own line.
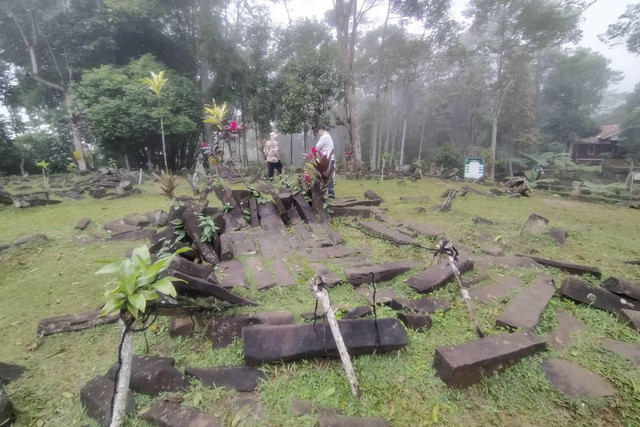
{"type": "Point", "coordinates": [325, 145]}
{"type": "Point", "coordinates": [272, 153]}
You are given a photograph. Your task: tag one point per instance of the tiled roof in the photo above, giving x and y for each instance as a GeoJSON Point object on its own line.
{"type": "Point", "coordinates": [606, 131]}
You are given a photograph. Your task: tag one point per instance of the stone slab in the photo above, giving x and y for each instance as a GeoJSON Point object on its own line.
{"type": "Point", "coordinates": [437, 275]}
{"type": "Point", "coordinates": [525, 309]}
{"type": "Point", "coordinates": [569, 267]}
{"type": "Point", "coordinates": [502, 287]}
{"type": "Point", "coordinates": [96, 397]}
{"type": "Point", "coordinates": [622, 287]}
{"type": "Point", "coordinates": [238, 378]}
{"type": "Point", "coordinates": [304, 210]}
{"type": "Point", "coordinates": [382, 296]}
{"type": "Point", "coordinates": [535, 225]}
{"type": "Point", "coordinates": [282, 273]}
{"type": "Point", "coordinates": [301, 408]}
{"type": "Point", "coordinates": [559, 235]}
{"type": "Point", "coordinates": [267, 343]}
{"type": "Point", "coordinates": [336, 421]}
{"type": "Point", "coordinates": [274, 246]}
{"type": "Point", "coordinates": [226, 248]}
{"type": "Point", "coordinates": [415, 322]}
{"type": "Point", "coordinates": [625, 350]}
{"type": "Point", "coordinates": [574, 380]}
{"type": "Point", "coordinates": [357, 312]}
{"type": "Point", "coordinates": [224, 330]}
{"type": "Point", "coordinates": [181, 326]}
{"type": "Point", "coordinates": [425, 229]}
{"type": "Point", "coordinates": [270, 219]}
{"type": "Point", "coordinates": [153, 375]}
{"type": "Point", "coordinates": [119, 226]}
{"type": "Point", "coordinates": [567, 326]}
{"type": "Point", "coordinates": [381, 230]}
{"type": "Point", "coordinates": [194, 286]}
{"type": "Point", "coordinates": [233, 274]}
{"type": "Point", "coordinates": [330, 278]}
{"type": "Point", "coordinates": [74, 322]}
{"type": "Point", "coordinates": [202, 271]}
{"type": "Point", "coordinates": [306, 238]}
{"type": "Point", "coordinates": [244, 247]}
{"type": "Point", "coordinates": [422, 305]}
{"type": "Point", "coordinates": [467, 363]}
{"type": "Point", "coordinates": [337, 251]}
{"type": "Point", "coordinates": [322, 229]}
{"type": "Point", "coordinates": [584, 292]}
{"type": "Point", "coordinates": [10, 372]}
{"type": "Point", "coordinates": [379, 272]}
{"type": "Point", "coordinates": [513, 261]}
{"type": "Point", "coordinates": [166, 413]}
{"type": "Point", "coordinates": [262, 277]}
{"type": "Point", "coordinates": [630, 318]}
{"type": "Point", "coordinates": [82, 223]}
{"type": "Point", "coordinates": [144, 233]}
{"type": "Point", "coordinates": [7, 412]}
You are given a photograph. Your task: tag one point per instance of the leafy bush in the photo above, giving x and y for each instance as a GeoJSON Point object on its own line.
{"type": "Point", "coordinates": [447, 157]}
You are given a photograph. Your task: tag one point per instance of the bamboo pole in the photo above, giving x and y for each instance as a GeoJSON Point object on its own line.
{"type": "Point", "coordinates": [320, 293]}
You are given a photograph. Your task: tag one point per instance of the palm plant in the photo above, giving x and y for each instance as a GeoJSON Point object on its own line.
{"type": "Point", "coordinates": [156, 83]}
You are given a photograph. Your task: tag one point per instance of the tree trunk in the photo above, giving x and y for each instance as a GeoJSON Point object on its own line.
{"type": "Point", "coordinates": [164, 147]}
{"type": "Point", "coordinates": [291, 153]}
{"type": "Point", "coordinates": [127, 165]}
{"type": "Point", "coordinates": [494, 139]}
{"type": "Point", "coordinates": [404, 133]}
{"type": "Point", "coordinates": [124, 374]}
{"type": "Point", "coordinates": [75, 132]}
{"type": "Point", "coordinates": [424, 125]}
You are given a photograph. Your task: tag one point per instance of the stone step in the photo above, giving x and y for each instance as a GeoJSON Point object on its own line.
{"type": "Point", "coordinates": [575, 381]}
{"type": "Point", "coordinates": [525, 309]}
{"type": "Point", "coordinates": [263, 278]}
{"type": "Point", "coordinates": [282, 273]}
{"type": "Point", "coordinates": [166, 413]}
{"type": "Point", "coordinates": [626, 350]}
{"type": "Point", "coordinates": [238, 378]}
{"type": "Point", "coordinates": [272, 344]}
{"type": "Point", "coordinates": [233, 275]}
{"type": "Point", "coordinates": [502, 287]}
{"type": "Point", "coordinates": [467, 363]}
{"type": "Point", "coordinates": [437, 275]}
{"type": "Point", "coordinates": [378, 273]}
{"type": "Point", "coordinates": [584, 292]}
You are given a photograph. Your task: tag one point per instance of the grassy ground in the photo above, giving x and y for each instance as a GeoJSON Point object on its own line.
{"type": "Point", "coordinates": [52, 278]}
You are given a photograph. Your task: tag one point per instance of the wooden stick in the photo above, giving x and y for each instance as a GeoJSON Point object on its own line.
{"type": "Point", "coordinates": [321, 294]}
{"type": "Point", "coordinates": [465, 296]}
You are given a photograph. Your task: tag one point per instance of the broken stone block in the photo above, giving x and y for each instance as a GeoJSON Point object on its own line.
{"type": "Point", "coordinates": [153, 375]}
{"type": "Point", "coordinates": [378, 273]}
{"type": "Point", "coordinates": [437, 275]}
{"type": "Point", "coordinates": [9, 373]}
{"type": "Point", "coordinates": [74, 322]}
{"type": "Point", "coordinates": [171, 414]}
{"type": "Point", "coordinates": [581, 291]}
{"type": "Point", "coordinates": [283, 343]}
{"type": "Point", "coordinates": [238, 378]}
{"type": "Point", "coordinates": [304, 407]}
{"type": "Point", "coordinates": [194, 286]}
{"type": "Point", "coordinates": [136, 219]}
{"type": "Point", "coordinates": [352, 422]}
{"type": "Point", "coordinates": [630, 318]}
{"type": "Point", "coordinates": [303, 208]}
{"type": "Point", "coordinates": [270, 219]}
{"type": "Point", "coordinates": [622, 287]}
{"type": "Point", "coordinates": [386, 233]}
{"type": "Point", "coordinates": [202, 271]}
{"type": "Point", "coordinates": [382, 296]}
{"type": "Point", "coordinates": [226, 248]}
{"type": "Point", "coordinates": [535, 225]}
{"type": "Point", "coordinates": [496, 291]}
{"type": "Point", "coordinates": [569, 267]}
{"type": "Point", "coordinates": [567, 325]}
{"type": "Point", "coordinates": [225, 329]}
{"type": "Point", "coordinates": [181, 326]}
{"type": "Point", "coordinates": [625, 350]}
{"type": "Point", "coordinates": [96, 397]}
{"type": "Point", "coordinates": [559, 235]}
{"type": "Point", "coordinates": [233, 274]}
{"type": "Point", "coordinates": [467, 363]}
{"type": "Point", "coordinates": [574, 380]}
{"type": "Point", "coordinates": [525, 309]}
{"type": "Point", "coordinates": [158, 218]}
{"type": "Point", "coordinates": [82, 223]}
{"type": "Point", "coordinates": [330, 278]}
{"type": "Point", "coordinates": [416, 322]}
{"type": "Point", "coordinates": [357, 312]}
{"type": "Point", "coordinates": [119, 226]}
{"type": "Point", "coordinates": [422, 305]}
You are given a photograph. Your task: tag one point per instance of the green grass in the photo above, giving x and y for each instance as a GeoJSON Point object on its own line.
{"type": "Point", "coordinates": [56, 277]}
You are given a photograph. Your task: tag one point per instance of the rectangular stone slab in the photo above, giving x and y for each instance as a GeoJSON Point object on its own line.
{"type": "Point", "coordinates": [569, 267]}
{"type": "Point", "coordinates": [282, 273]}
{"type": "Point", "coordinates": [584, 292]}
{"type": "Point", "coordinates": [233, 274]}
{"type": "Point", "coordinates": [622, 287]}
{"type": "Point", "coordinates": [467, 363]}
{"type": "Point", "coordinates": [74, 322]}
{"type": "Point", "coordinates": [330, 278]}
{"type": "Point", "coordinates": [199, 287]}
{"type": "Point", "coordinates": [263, 278]}
{"type": "Point", "coordinates": [271, 344]}
{"type": "Point", "coordinates": [495, 291]}
{"type": "Point", "coordinates": [386, 233]}
{"type": "Point", "coordinates": [630, 318]}
{"type": "Point", "coordinates": [270, 220]}
{"type": "Point", "coordinates": [191, 268]}
{"type": "Point", "coordinates": [422, 305]}
{"type": "Point", "coordinates": [437, 275]}
{"type": "Point", "coordinates": [171, 414]}
{"type": "Point", "coordinates": [381, 272]}
{"type": "Point", "coordinates": [303, 208]}
{"type": "Point", "coordinates": [525, 309]}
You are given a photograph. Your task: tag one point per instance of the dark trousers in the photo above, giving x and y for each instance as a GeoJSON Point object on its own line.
{"type": "Point", "coordinates": [274, 165]}
{"type": "Point", "coordinates": [332, 194]}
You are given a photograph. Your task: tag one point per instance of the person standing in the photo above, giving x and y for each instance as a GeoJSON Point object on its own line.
{"type": "Point", "coordinates": [325, 145]}
{"type": "Point", "coordinates": [272, 153]}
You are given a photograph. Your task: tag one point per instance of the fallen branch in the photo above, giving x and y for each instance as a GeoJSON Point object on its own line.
{"type": "Point", "coordinates": [316, 286]}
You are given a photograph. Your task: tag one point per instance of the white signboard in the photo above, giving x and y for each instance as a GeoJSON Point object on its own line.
{"type": "Point", "coordinates": [473, 168]}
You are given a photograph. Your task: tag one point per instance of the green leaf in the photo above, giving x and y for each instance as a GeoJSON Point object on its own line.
{"type": "Point", "coordinates": [165, 286]}
{"type": "Point", "coordinates": [149, 295]}
{"type": "Point", "coordinates": [131, 309]}
{"type": "Point", "coordinates": [141, 255]}
{"type": "Point", "coordinates": [112, 305]}
{"type": "Point", "coordinates": [138, 301]}
{"type": "Point", "coordinates": [112, 268]}
{"type": "Point", "coordinates": [435, 413]}
{"type": "Point", "coordinates": [182, 250]}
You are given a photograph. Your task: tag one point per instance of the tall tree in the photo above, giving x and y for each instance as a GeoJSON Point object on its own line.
{"type": "Point", "coordinates": [509, 27]}
{"type": "Point", "coordinates": [626, 29]}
